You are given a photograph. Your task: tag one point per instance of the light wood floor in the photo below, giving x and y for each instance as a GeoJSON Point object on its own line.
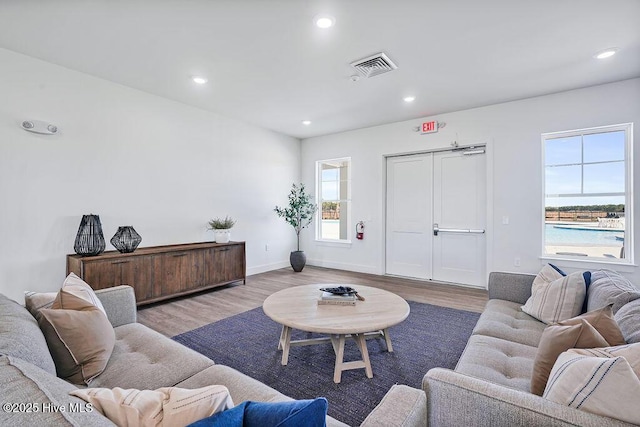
{"type": "Point", "coordinates": [184, 314]}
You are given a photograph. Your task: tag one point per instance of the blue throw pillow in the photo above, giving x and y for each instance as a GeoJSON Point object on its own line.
{"type": "Point", "coordinates": [587, 282]}
{"type": "Point", "coordinates": [558, 269]}
{"type": "Point", "coordinates": [296, 413]}
{"type": "Point", "coordinates": [229, 418]}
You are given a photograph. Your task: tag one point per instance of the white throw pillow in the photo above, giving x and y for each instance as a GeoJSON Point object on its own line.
{"type": "Point", "coordinates": [555, 297]}
{"type": "Point", "coordinates": [76, 287]}
{"type": "Point", "coordinates": [602, 381]}
{"type": "Point", "coordinates": [166, 406]}
{"type": "Point", "coordinates": [72, 285]}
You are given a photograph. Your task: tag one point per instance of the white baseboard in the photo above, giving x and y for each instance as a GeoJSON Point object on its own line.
{"type": "Point", "coordinates": [345, 266]}
{"type": "Point", "coordinates": [257, 269]}
{"type": "Point", "coordinates": [317, 263]}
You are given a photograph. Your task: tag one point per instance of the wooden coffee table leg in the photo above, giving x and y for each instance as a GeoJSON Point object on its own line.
{"type": "Point", "coordinates": [281, 338]}
{"type": "Point", "coordinates": [387, 339]}
{"type": "Point", "coordinates": [362, 345]}
{"type": "Point", "coordinates": [339, 349]}
{"type": "Point", "coordinates": [285, 344]}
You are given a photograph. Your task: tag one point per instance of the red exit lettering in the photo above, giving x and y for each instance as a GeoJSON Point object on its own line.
{"type": "Point", "coordinates": [429, 127]}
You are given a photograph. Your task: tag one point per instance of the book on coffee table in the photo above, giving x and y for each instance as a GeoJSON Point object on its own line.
{"type": "Point", "coordinates": [327, 298]}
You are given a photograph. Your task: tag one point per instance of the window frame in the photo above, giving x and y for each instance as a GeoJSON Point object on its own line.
{"type": "Point", "coordinates": [319, 198]}
{"type": "Point", "coordinates": [627, 128]}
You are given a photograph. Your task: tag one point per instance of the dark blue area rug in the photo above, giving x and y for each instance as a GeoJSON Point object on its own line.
{"type": "Point", "coordinates": [431, 337]}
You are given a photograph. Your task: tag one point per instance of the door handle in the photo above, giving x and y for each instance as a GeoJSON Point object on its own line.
{"type": "Point", "coordinates": [437, 230]}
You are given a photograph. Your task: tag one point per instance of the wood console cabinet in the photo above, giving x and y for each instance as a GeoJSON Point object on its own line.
{"type": "Point", "coordinates": [162, 272]}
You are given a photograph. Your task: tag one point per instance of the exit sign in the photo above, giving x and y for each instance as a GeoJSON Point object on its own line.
{"type": "Point", "coordinates": [429, 127]}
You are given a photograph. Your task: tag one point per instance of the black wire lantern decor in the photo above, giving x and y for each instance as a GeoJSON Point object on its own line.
{"type": "Point", "coordinates": [89, 240]}
{"type": "Point", "coordinates": [126, 239]}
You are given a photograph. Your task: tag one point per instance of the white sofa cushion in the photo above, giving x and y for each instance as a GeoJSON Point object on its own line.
{"type": "Point", "coordinates": [628, 318]}
{"type": "Point", "coordinates": [601, 381]}
{"type": "Point", "coordinates": [554, 298]}
{"type": "Point", "coordinates": [166, 406]}
{"type": "Point", "coordinates": [609, 287]}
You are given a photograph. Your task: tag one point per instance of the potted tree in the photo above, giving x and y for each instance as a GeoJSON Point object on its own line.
{"type": "Point", "coordinates": [299, 214]}
{"type": "Point", "coordinates": [221, 229]}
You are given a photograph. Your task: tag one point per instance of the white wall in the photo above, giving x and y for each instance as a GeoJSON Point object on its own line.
{"type": "Point", "coordinates": [512, 131]}
{"type": "Point", "coordinates": [134, 159]}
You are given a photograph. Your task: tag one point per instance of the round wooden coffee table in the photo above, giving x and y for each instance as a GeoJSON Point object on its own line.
{"type": "Point", "coordinates": [297, 308]}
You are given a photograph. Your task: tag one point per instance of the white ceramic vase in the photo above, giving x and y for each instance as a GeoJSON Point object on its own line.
{"type": "Point", "coordinates": [222, 235]}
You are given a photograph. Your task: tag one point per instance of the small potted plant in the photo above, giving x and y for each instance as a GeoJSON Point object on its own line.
{"type": "Point", "coordinates": [221, 229]}
{"type": "Point", "coordinates": [299, 215]}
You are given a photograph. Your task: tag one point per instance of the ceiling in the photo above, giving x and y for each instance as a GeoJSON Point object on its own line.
{"type": "Point", "coordinates": [268, 64]}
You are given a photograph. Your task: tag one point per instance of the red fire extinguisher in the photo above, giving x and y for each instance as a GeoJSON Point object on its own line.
{"type": "Point", "coordinates": [360, 230]}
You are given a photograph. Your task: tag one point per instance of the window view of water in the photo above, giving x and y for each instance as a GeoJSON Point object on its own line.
{"type": "Point", "coordinates": [586, 174]}
{"type": "Point", "coordinates": [567, 236]}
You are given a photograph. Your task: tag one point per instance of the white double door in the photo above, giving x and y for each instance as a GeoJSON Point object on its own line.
{"type": "Point", "coordinates": [436, 216]}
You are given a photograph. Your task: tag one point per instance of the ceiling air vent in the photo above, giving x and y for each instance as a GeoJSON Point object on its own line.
{"type": "Point", "coordinates": [374, 65]}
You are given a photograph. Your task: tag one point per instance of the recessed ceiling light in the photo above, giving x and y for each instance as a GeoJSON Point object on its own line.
{"type": "Point", "coordinates": [199, 80]}
{"type": "Point", "coordinates": [324, 21]}
{"type": "Point", "coordinates": [607, 53]}
{"type": "Point", "coordinates": [306, 122]}
{"type": "Point", "coordinates": [409, 98]}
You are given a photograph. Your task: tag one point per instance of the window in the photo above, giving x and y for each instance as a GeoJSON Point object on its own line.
{"type": "Point", "coordinates": [587, 193]}
{"type": "Point", "coordinates": [334, 194]}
